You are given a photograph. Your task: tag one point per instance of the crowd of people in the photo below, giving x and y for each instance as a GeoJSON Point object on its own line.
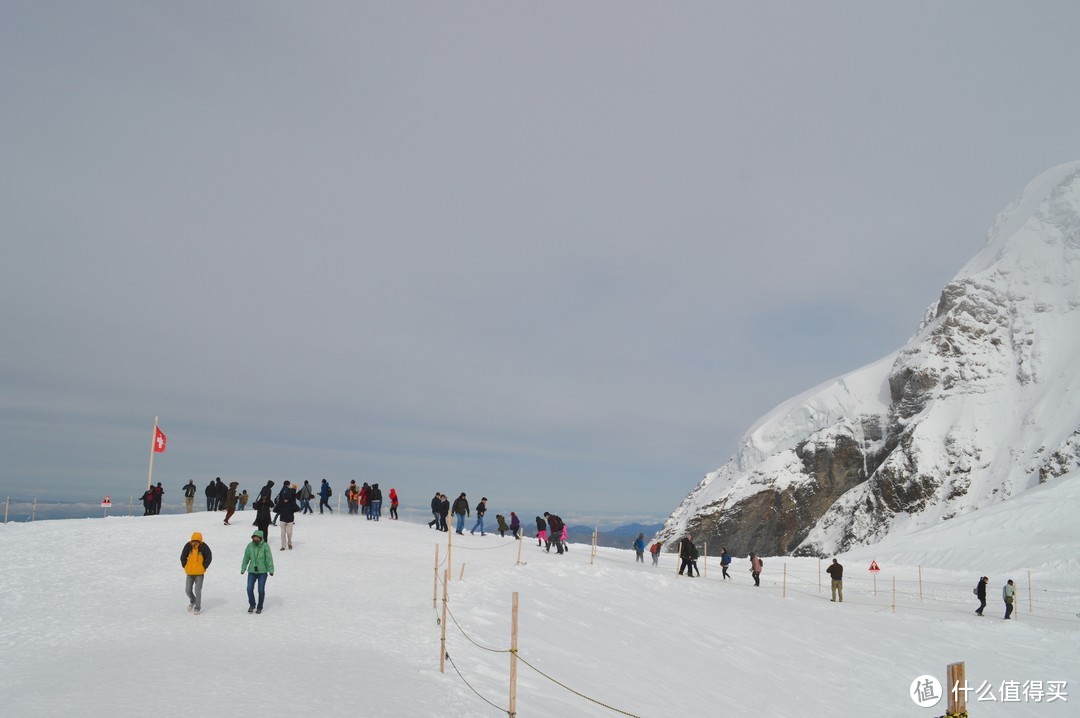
{"type": "Point", "coordinates": [280, 509]}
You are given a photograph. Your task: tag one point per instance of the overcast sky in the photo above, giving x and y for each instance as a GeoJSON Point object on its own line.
{"type": "Point", "coordinates": [559, 254]}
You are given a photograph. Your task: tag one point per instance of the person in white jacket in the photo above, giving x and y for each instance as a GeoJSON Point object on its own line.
{"type": "Point", "coordinates": [1008, 594]}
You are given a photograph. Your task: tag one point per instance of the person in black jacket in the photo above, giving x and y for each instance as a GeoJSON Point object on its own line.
{"type": "Point", "coordinates": [555, 526]}
{"type": "Point", "coordinates": [444, 511]}
{"type": "Point", "coordinates": [211, 496]}
{"type": "Point", "coordinates": [189, 496]}
{"type": "Point", "coordinates": [375, 503]}
{"type": "Point", "coordinates": [980, 592]}
{"type": "Point", "coordinates": [541, 531]}
{"type": "Point", "coordinates": [481, 509]}
{"type": "Point", "coordinates": [222, 493]}
{"type": "Point", "coordinates": [836, 573]}
{"type": "Point", "coordinates": [461, 510]}
{"type": "Point", "coordinates": [286, 511]}
{"type": "Point", "coordinates": [262, 507]}
{"type": "Point", "coordinates": [686, 553]}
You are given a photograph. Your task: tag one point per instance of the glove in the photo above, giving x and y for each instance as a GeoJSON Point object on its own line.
{"type": "Point", "coordinates": [271, 573]}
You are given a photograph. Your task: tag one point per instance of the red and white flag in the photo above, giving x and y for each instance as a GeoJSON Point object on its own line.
{"type": "Point", "coordinates": [159, 441]}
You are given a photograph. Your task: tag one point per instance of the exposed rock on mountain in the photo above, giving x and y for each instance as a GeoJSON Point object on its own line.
{"type": "Point", "coordinates": [983, 402]}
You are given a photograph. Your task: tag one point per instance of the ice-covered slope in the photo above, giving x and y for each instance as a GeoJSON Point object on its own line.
{"type": "Point", "coordinates": [982, 403]}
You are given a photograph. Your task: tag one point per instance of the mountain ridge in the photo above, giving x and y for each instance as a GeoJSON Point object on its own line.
{"type": "Point", "coordinates": [981, 403]}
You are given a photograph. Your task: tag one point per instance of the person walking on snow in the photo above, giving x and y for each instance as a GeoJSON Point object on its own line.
{"type": "Point", "coordinates": [515, 525]}
{"type": "Point", "coordinates": [375, 503]}
{"type": "Point", "coordinates": [555, 531]}
{"type": "Point", "coordinates": [195, 557]}
{"type": "Point", "coordinates": [211, 496]}
{"type": "Point", "coordinates": [461, 510]}
{"type": "Point", "coordinates": [287, 508]}
{"type": "Point", "coordinates": [980, 593]}
{"type": "Point", "coordinates": [639, 548]}
{"type": "Point", "coordinates": [725, 562]}
{"type": "Point", "coordinates": [325, 492]}
{"type": "Point", "coordinates": [481, 509]}
{"type": "Point", "coordinates": [189, 496]}
{"type": "Point", "coordinates": [230, 501]}
{"type": "Point", "coordinates": [1008, 594]}
{"type": "Point", "coordinates": [756, 564]}
{"type": "Point", "coordinates": [836, 573]}
{"type": "Point", "coordinates": [500, 524]}
{"type": "Point", "coordinates": [655, 551]}
{"type": "Point", "coordinates": [242, 499]}
{"type": "Point", "coordinates": [222, 491]}
{"type": "Point", "coordinates": [258, 563]}
{"type": "Point", "coordinates": [262, 508]}
{"type": "Point", "coordinates": [444, 511]}
{"type": "Point", "coordinates": [306, 495]}
{"type": "Point", "coordinates": [541, 531]}
{"type": "Point", "coordinates": [686, 553]}
{"type": "Point", "coordinates": [393, 504]}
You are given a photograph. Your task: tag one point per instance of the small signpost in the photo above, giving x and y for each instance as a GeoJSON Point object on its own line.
{"type": "Point", "coordinates": [105, 504]}
{"type": "Point", "coordinates": [874, 568]}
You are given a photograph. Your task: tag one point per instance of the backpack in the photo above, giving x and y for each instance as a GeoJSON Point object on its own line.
{"type": "Point", "coordinates": [655, 548]}
{"type": "Point", "coordinates": [329, 491]}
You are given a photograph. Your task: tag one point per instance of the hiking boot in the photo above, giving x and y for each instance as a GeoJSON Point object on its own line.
{"type": "Point", "coordinates": [191, 607]}
{"type": "Point", "coordinates": [281, 549]}
{"type": "Point", "coordinates": [251, 609]}
{"type": "Point", "coordinates": [258, 610]}
{"type": "Point", "coordinates": [197, 611]}
{"type": "Point", "coordinates": [290, 547]}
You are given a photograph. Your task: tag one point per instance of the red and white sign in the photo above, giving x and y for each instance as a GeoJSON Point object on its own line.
{"type": "Point", "coordinates": [106, 503]}
{"type": "Point", "coordinates": [159, 440]}
{"type": "Point", "coordinates": [874, 568]}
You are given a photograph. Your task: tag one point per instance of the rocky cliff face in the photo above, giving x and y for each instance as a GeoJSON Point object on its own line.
{"type": "Point", "coordinates": [983, 402]}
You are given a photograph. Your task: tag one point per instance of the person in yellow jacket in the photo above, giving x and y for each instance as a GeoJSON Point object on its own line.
{"type": "Point", "coordinates": [195, 557]}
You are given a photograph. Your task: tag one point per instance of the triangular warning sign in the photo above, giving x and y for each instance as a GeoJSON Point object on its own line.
{"type": "Point", "coordinates": [874, 566]}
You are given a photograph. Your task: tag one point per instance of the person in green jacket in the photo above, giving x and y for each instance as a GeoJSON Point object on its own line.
{"type": "Point", "coordinates": [258, 563]}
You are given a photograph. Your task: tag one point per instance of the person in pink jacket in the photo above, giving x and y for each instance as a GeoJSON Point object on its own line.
{"type": "Point", "coordinates": [756, 564]}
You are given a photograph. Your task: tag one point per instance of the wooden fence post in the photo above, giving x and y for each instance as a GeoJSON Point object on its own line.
{"type": "Point", "coordinates": [462, 575]}
{"type": "Point", "coordinates": [513, 656]}
{"type": "Point", "coordinates": [7, 504]}
{"type": "Point", "coordinates": [520, 542]}
{"type": "Point", "coordinates": [957, 698]}
{"type": "Point", "coordinates": [442, 640]}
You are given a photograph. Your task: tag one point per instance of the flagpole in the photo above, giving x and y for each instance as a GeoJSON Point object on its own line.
{"type": "Point", "coordinates": [153, 438]}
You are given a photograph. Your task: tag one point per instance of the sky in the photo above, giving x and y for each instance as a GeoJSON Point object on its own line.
{"type": "Point", "coordinates": [515, 249]}
{"type": "Point", "coordinates": [353, 620]}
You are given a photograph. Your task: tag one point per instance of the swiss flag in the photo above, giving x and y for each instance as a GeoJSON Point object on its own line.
{"type": "Point", "coordinates": [159, 440]}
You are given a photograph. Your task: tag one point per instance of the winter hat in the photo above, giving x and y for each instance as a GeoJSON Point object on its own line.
{"type": "Point", "coordinates": [196, 536]}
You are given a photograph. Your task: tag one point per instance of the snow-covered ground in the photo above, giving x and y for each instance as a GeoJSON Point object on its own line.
{"type": "Point", "coordinates": [93, 623]}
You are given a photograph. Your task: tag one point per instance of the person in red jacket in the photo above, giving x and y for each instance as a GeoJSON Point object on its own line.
{"type": "Point", "coordinates": [393, 504]}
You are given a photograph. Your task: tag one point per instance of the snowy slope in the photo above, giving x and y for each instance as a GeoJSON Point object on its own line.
{"type": "Point", "coordinates": [93, 623]}
{"type": "Point", "coordinates": [981, 404]}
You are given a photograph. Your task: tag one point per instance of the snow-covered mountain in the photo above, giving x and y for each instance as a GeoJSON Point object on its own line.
{"type": "Point", "coordinates": [981, 404]}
